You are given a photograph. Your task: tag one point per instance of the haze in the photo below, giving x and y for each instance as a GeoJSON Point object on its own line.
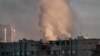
{"type": "Point", "coordinates": [24, 16]}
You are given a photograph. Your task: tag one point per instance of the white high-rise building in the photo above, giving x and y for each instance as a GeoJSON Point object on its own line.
{"type": "Point", "coordinates": [7, 33]}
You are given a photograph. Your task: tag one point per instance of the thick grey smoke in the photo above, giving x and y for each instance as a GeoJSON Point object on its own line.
{"type": "Point", "coordinates": [55, 19]}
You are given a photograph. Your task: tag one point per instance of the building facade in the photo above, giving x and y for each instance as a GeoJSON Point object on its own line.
{"type": "Point", "coordinates": [96, 52]}
{"type": "Point", "coordinates": [2, 34]}
{"type": "Point", "coordinates": [72, 47]}
{"type": "Point", "coordinates": [7, 33]}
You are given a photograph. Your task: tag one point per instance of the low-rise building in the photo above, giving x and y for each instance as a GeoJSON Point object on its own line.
{"type": "Point", "coordinates": [71, 47]}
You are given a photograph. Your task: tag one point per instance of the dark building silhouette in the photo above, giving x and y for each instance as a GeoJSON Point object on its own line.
{"type": "Point", "coordinates": [71, 47]}
{"type": "Point", "coordinates": [96, 52]}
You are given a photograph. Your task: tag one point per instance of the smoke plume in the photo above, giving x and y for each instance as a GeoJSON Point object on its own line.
{"type": "Point", "coordinates": [55, 19]}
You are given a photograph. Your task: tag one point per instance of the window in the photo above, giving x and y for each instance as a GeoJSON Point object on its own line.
{"type": "Point", "coordinates": [51, 42]}
{"type": "Point", "coordinates": [13, 53]}
{"type": "Point", "coordinates": [68, 42]}
{"type": "Point", "coordinates": [89, 43]}
{"type": "Point", "coordinates": [7, 53]}
{"type": "Point", "coordinates": [28, 53]}
{"type": "Point", "coordinates": [73, 52]}
{"type": "Point", "coordinates": [51, 52]}
{"type": "Point", "coordinates": [63, 52]}
{"type": "Point", "coordinates": [57, 43]}
{"type": "Point", "coordinates": [69, 52]}
{"type": "Point", "coordinates": [3, 53]}
{"type": "Point", "coordinates": [17, 53]}
{"type": "Point", "coordinates": [48, 52]}
{"type": "Point", "coordinates": [2, 46]}
{"type": "Point", "coordinates": [32, 44]}
{"type": "Point", "coordinates": [54, 52]}
{"type": "Point", "coordinates": [57, 52]}
{"type": "Point", "coordinates": [32, 52]}
{"type": "Point", "coordinates": [22, 53]}
{"type": "Point", "coordinates": [63, 42]}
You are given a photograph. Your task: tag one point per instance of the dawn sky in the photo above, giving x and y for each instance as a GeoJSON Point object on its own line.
{"type": "Point", "coordinates": [24, 16]}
